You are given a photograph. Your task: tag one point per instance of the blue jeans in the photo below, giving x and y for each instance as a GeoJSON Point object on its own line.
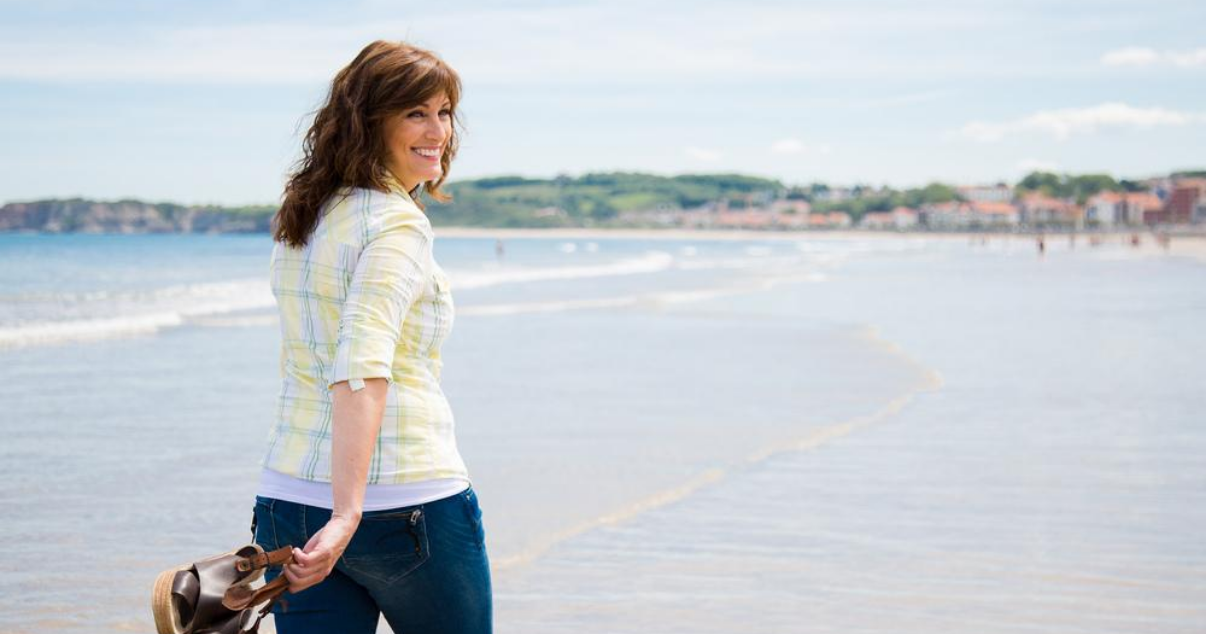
{"type": "Point", "coordinates": [424, 567]}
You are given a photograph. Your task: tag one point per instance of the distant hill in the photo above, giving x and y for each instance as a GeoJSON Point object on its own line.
{"type": "Point", "coordinates": [508, 201]}
{"type": "Point", "coordinates": [589, 200]}
{"type": "Point", "coordinates": [131, 216]}
{"type": "Point", "coordinates": [615, 199]}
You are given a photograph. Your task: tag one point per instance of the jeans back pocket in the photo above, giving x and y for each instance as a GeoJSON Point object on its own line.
{"type": "Point", "coordinates": [388, 545]}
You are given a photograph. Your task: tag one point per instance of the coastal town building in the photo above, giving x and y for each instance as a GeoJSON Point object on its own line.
{"type": "Point", "coordinates": [1137, 206]}
{"type": "Point", "coordinates": [1109, 209]}
{"type": "Point", "coordinates": [838, 219]}
{"type": "Point", "coordinates": [904, 217]}
{"type": "Point", "coordinates": [1105, 210]}
{"type": "Point", "coordinates": [1038, 210]}
{"type": "Point", "coordinates": [977, 207]}
{"type": "Point", "coordinates": [1182, 200]}
{"type": "Point", "coordinates": [899, 219]}
{"type": "Point", "coordinates": [949, 215]}
{"type": "Point", "coordinates": [876, 220]}
{"type": "Point", "coordinates": [780, 214]}
{"type": "Point", "coordinates": [969, 215]}
{"type": "Point", "coordinates": [944, 215]}
{"type": "Point", "coordinates": [995, 214]}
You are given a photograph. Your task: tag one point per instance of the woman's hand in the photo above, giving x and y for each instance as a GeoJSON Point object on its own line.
{"type": "Point", "coordinates": [313, 563]}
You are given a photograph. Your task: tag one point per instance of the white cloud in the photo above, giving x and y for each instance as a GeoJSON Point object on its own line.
{"type": "Point", "coordinates": [1142, 56]}
{"type": "Point", "coordinates": [703, 154]}
{"type": "Point", "coordinates": [1130, 56]}
{"type": "Point", "coordinates": [787, 146]}
{"type": "Point", "coordinates": [1062, 124]}
{"type": "Point", "coordinates": [795, 146]}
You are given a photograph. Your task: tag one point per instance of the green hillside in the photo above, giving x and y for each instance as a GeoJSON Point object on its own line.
{"type": "Point", "coordinates": [588, 200]}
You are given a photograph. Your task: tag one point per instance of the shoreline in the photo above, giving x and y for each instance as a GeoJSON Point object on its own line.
{"type": "Point", "coordinates": [1191, 246]}
{"type": "Point", "coordinates": [1184, 245]}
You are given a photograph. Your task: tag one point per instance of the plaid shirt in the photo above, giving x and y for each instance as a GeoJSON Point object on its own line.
{"type": "Point", "coordinates": [364, 299]}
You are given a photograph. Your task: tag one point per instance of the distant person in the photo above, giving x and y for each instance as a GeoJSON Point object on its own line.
{"type": "Point", "coordinates": [1134, 239]}
{"type": "Point", "coordinates": [1041, 243]}
{"type": "Point", "coordinates": [1164, 239]}
{"type": "Point", "coordinates": [381, 514]}
{"type": "Point", "coordinates": [499, 250]}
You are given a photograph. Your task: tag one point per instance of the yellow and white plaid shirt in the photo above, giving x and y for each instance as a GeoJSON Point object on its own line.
{"type": "Point", "coordinates": [364, 299]}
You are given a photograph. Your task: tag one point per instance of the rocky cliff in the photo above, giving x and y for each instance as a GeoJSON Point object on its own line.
{"type": "Point", "coordinates": [131, 216]}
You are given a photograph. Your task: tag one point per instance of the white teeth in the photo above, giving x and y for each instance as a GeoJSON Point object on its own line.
{"type": "Point", "coordinates": [432, 153]}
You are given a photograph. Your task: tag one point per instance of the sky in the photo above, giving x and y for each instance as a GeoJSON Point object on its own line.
{"type": "Point", "coordinates": [206, 102]}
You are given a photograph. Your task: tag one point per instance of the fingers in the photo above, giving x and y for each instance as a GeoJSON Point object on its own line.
{"type": "Point", "coordinates": [315, 540]}
{"type": "Point", "coordinates": [306, 558]}
{"type": "Point", "coordinates": [313, 563]}
{"type": "Point", "coordinates": [302, 577]}
{"type": "Point", "coordinates": [309, 568]}
{"type": "Point", "coordinates": [316, 555]}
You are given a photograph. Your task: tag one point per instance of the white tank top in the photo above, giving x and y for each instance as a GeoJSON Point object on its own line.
{"type": "Point", "coordinates": [377, 497]}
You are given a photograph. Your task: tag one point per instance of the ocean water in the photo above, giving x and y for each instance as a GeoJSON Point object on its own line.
{"type": "Point", "coordinates": [688, 435]}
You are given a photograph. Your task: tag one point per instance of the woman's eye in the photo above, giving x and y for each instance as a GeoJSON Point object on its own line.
{"type": "Point", "coordinates": [445, 113]}
{"type": "Point", "coordinates": [417, 113]}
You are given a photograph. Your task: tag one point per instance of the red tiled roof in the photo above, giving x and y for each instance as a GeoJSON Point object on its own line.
{"type": "Point", "coordinates": [1039, 199]}
{"type": "Point", "coordinates": [1144, 200]}
{"type": "Point", "coordinates": [1199, 183]}
{"type": "Point", "coordinates": [1107, 197]}
{"type": "Point", "coordinates": [995, 208]}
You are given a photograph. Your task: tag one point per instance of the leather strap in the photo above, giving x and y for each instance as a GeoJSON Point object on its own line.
{"type": "Point", "coordinates": [265, 559]}
{"type": "Point", "coordinates": [241, 597]}
{"type": "Point", "coordinates": [271, 591]}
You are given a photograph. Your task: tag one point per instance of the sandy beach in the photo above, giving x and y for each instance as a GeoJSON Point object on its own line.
{"type": "Point", "coordinates": [670, 431]}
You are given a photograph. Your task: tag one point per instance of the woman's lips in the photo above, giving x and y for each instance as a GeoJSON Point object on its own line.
{"type": "Point", "coordinates": [432, 154]}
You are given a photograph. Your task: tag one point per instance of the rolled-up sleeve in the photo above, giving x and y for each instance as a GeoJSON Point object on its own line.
{"type": "Point", "coordinates": [389, 275]}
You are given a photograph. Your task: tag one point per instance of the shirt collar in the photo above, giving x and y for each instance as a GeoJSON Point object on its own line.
{"type": "Point", "coordinates": [392, 183]}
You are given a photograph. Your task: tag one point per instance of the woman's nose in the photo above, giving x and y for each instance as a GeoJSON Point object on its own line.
{"type": "Point", "coordinates": [435, 130]}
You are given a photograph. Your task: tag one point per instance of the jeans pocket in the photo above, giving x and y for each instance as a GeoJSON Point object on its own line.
{"type": "Point", "coordinates": [388, 546]}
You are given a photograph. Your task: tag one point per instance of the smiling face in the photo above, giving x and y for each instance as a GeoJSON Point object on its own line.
{"type": "Point", "coordinates": [416, 139]}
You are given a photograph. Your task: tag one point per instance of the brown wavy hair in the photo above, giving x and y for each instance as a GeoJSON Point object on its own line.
{"type": "Point", "coordinates": [345, 146]}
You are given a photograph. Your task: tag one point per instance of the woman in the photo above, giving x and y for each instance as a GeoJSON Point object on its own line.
{"type": "Point", "coordinates": [362, 473]}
